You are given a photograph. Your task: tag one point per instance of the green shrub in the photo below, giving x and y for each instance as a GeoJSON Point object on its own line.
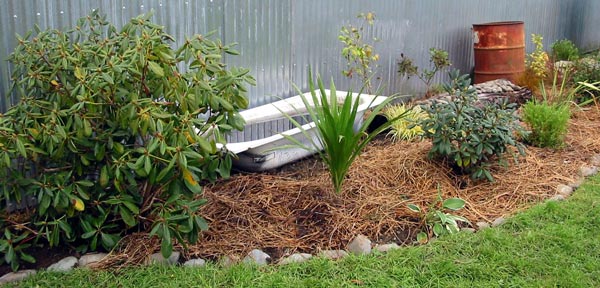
{"type": "Point", "coordinates": [358, 53]}
{"type": "Point", "coordinates": [334, 120]}
{"type": "Point", "coordinates": [436, 221]}
{"type": "Point", "coordinates": [470, 134]}
{"type": "Point", "coordinates": [439, 60]}
{"type": "Point", "coordinates": [547, 121]}
{"type": "Point", "coordinates": [587, 69]}
{"type": "Point", "coordinates": [111, 137]}
{"type": "Point", "coordinates": [564, 50]}
{"type": "Point", "coordinates": [407, 127]}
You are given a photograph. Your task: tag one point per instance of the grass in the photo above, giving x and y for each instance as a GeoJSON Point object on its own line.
{"type": "Point", "coordinates": [554, 244]}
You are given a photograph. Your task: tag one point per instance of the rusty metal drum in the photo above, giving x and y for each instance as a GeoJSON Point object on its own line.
{"type": "Point", "coordinates": [499, 50]}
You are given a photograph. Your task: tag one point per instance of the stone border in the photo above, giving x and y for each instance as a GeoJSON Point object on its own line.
{"type": "Point", "coordinates": [360, 245]}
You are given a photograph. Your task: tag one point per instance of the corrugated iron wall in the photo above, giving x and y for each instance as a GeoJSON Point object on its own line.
{"type": "Point", "coordinates": [280, 39]}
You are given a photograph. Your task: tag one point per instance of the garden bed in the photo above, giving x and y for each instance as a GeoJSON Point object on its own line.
{"type": "Point", "coordinates": [295, 209]}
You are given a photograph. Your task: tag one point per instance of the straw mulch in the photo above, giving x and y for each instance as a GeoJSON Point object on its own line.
{"type": "Point", "coordinates": [296, 210]}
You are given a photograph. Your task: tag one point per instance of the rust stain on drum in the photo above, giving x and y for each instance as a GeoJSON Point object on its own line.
{"type": "Point", "coordinates": [499, 50]}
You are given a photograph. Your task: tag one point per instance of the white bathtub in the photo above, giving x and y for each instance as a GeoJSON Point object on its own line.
{"type": "Point", "coordinates": [263, 154]}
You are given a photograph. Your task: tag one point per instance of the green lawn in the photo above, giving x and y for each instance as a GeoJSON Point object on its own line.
{"type": "Point", "coordinates": [552, 244]}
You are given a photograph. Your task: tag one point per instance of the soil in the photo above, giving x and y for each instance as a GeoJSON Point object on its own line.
{"type": "Point", "coordinates": [44, 258]}
{"type": "Point", "coordinates": [294, 209]}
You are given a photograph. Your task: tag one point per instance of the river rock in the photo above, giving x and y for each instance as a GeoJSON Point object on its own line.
{"type": "Point", "coordinates": [361, 245]}
{"type": "Point", "coordinates": [198, 262]}
{"type": "Point", "coordinates": [575, 184]}
{"type": "Point", "coordinates": [587, 171]}
{"type": "Point", "coordinates": [258, 257]}
{"type": "Point", "coordinates": [295, 258]}
{"type": "Point", "coordinates": [383, 248]}
{"type": "Point", "coordinates": [16, 276]}
{"type": "Point", "coordinates": [557, 197]}
{"type": "Point", "coordinates": [64, 265]}
{"type": "Point", "coordinates": [157, 258]}
{"type": "Point", "coordinates": [89, 259]}
{"type": "Point", "coordinates": [564, 190]}
{"type": "Point", "coordinates": [595, 160]}
{"type": "Point", "coordinates": [482, 225]}
{"type": "Point", "coordinates": [228, 260]}
{"type": "Point", "coordinates": [467, 230]}
{"type": "Point", "coordinates": [498, 221]}
{"type": "Point", "coordinates": [333, 254]}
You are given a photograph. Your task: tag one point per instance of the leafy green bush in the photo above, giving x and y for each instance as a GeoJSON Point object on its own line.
{"type": "Point", "coordinates": [587, 68]}
{"type": "Point", "coordinates": [436, 221]}
{"type": "Point", "coordinates": [547, 121]}
{"type": "Point", "coordinates": [406, 128]}
{"type": "Point", "coordinates": [564, 50]}
{"type": "Point", "coordinates": [470, 134]}
{"type": "Point", "coordinates": [439, 59]}
{"type": "Point", "coordinates": [334, 120]}
{"type": "Point", "coordinates": [111, 137]}
{"type": "Point", "coordinates": [358, 53]}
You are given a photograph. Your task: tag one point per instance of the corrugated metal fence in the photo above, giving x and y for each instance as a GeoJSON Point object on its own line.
{"type": "Point", "coordinates": [280, 39]}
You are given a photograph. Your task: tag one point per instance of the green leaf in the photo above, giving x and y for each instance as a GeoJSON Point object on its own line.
{"type": "Point", "coordinates": [454, 204]}
{"type": "Point", "coordinates": [438, 229]}
{"type": "Point", "coordinates": [166, 247]}
{"type": "Point", "coordinates": [147, 165]}
{"type": "Point", "coordinates": [126, 216]}
{"type": "Point", "coordinates": [201, 223]}
{"type": "Point", "coordinates": [20, 147]}
{"type": "Point", "coordinates": [108, 79]}
{"type": "Point", "coordinates": [422, 238]}
{"type": "Point", "coordinates": [156, 69]}
{"type": "Point", "coordinates": [132, 207]}
{"type": "Point", "coordinates": [88, 234]}
{"type": "Point", "coordinates": [26, 257]}
{"type": "Point", "coordinates": [107, 240]}
{"type": "Point", "coordinates": [414, 208]}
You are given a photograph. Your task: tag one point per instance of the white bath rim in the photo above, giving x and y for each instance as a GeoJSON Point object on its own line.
{"type": "Point", "coordinates": [294, 106]}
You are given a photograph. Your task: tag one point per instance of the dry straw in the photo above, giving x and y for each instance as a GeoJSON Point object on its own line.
{"type": "Point", "coordinates": [296, 210]}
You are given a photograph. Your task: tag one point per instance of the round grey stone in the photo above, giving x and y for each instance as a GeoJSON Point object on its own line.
{"type": "Point", "coordinates": [498, 221]}
{"type": "Point", "coordinates": [386, 247]}
{"type": "Point", "coordinates": [468, 230]}
{"type": "Point", "coordinates": [90, 258]}
{"type": "Point", "coordinates": [575, 184]}
{"type": "Point", "coordinates": [587, 171]}
{"type": "Point", "coordinates": [157, 258]}
{"type": "Point", "coordinates": [361, 245]}
{"type": "Point", "coordinates": [16, 276]}
{"type": "Point", "coordinates": [564, 190]}
{"type": "Point", "coordinates": [228, 260]}
{"type": "Point", "coordinates": [64, 265]}
{"type": "Point", "coordinates": [333, 254]}
{"type": "Point", "coordinates": [258, 257]}
{"type": "Point", "coordinates": [482, 225]}
{"type": "Point", "coordinates": [295, 258]}
{"type": "Point", "coordinates": [595, 160]}
{"type": "Point", "coordinates": [198, 262]}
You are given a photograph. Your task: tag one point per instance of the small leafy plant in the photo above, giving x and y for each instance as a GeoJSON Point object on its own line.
{"type": "Point", "coordinates": [538, 59]}
{"type": "Point", "coordinates": [406, 128]}
{"type": "Point", "coordinates": [358, 53]}
{"type": "Point", "coordinates": [564, 50]}
{"type": "Point", "coordinates": [467, 133]}
{"type": "Point", "coordinates": [338, 143]}
{"type": "Point", "coordinates": [439, 60]}
{"type": "Point", "coordinates": [111, 137]}
{"type": "Point", "coordinates": [436, 221]}
{"type": "Point", "coordinates": [547, 121]}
